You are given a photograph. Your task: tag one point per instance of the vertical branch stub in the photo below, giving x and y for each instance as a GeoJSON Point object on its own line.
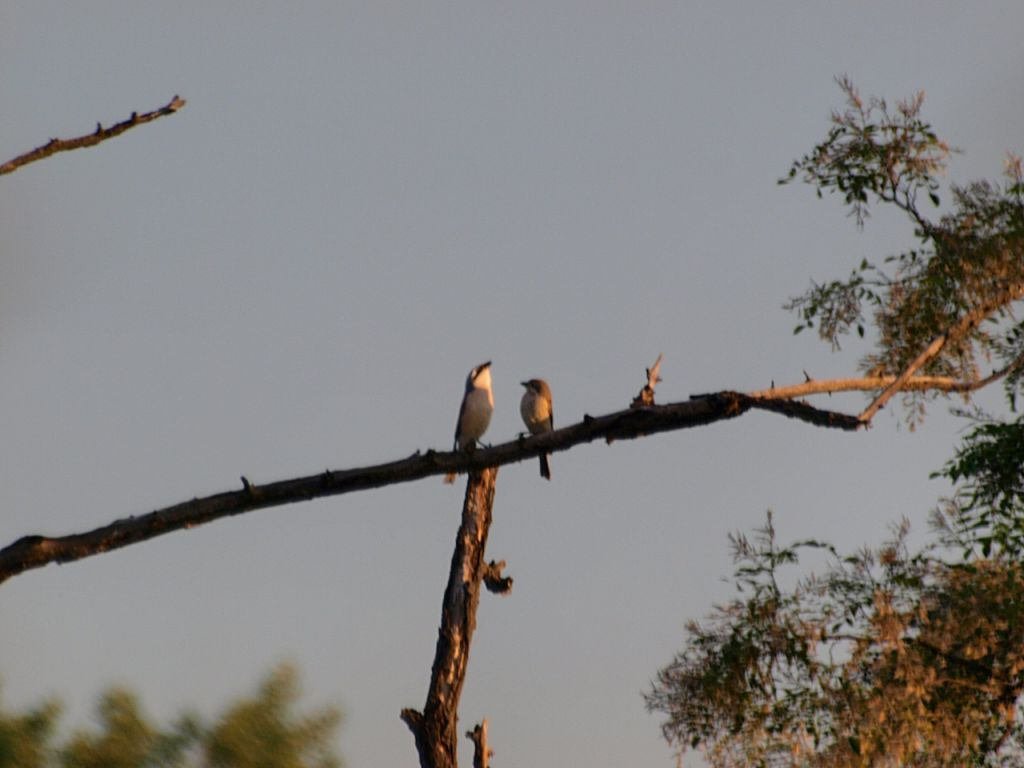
{"type": "Point", "coordinates": [436, 729]}
{"type": "Point", "coordinates": [646, 395]}
{"type": "Point", "coordinates": [481, 751]}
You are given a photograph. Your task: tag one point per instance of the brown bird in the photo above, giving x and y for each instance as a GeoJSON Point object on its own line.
{"type": "Point", "coordinates": [535, 408]}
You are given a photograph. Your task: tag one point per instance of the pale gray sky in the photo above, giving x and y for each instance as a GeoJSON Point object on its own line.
{"type": "Point", "coordinates": [359, 203]}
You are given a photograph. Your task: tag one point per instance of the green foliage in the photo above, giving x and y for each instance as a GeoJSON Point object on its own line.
{"type": "Point", "coordinates": [986, 515]}
{"type": "Point", "coordinates": [962, 278]}
{"type": "Point", "coordinates": [263, 732]}
{"type": "Point", "coordinates": [259, 732]}
{"type": "Point", "coordinates": [738, 685]}
{"type": "Point", "coordinates": [874, 154]}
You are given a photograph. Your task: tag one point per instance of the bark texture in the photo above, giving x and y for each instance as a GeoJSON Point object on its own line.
{"type": "Point", "coordinates": [435, 729]}
{"type": "Point", "coordinates": [481, 752]}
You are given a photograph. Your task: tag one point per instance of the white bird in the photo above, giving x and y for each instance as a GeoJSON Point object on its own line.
{"type": "Point", "coordinates": [475, 411]}
{"type": "Point", "coordinates": [535, 408]}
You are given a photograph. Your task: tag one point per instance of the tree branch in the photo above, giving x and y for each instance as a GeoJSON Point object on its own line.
{"type": "Point", "coordinates": [36, 551]}
{"type": "Point", "coordinates": [494, 580]}
{"type": "Point", "coordinates": [646, 395]}
{"type": "Point", "coordinates": [872, 383]}
{"type": "Point", "coordinates": [481, 752]}
{"type": "Point", "coordinates": [962, 328]}
{"type": "Point", "coordinates": [54, 146]}
{"type": "Point", "coordinates": [435, 729]}
{"type": "Point", "coordinates": [919, 362]}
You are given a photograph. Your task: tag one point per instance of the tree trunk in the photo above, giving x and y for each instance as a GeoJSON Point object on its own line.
{"type": "Point", "coordinates": [436, 728]}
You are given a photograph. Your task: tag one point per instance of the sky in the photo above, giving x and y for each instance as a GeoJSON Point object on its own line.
{"type": "Point", "coordinates": [360, 202]}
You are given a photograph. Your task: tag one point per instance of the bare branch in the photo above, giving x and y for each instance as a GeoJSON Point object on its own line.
{"type": "Point", "coordinates": [36, 551]}
{"type": "Point", "coordinates": [872, 383]}
{"type": "Point", "coordinates": [646, 395]}
{"type": "Point", "coordinates": [53, 146]}
{"type": "Point", "coordinates": [494, 580]}
{"type": "Point", "coordinates": [435, 729]}
{"type": "Point", "coordinates": [481, 752]}
{"type": "Point", "coordinates": [919, 362]}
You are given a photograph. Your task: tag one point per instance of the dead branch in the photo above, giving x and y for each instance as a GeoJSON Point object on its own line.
{"type": "Point", "coordinates": [36, 551]}
{"type": "Point", "coordinates": [494, 580]}
{"type": "Point", "coordinates": [435, 728]}
{"type": "Point", "coordinates": [637, 421]}
{"type": "Point", "coordinates": [481, 752]}
{"type": "Point", "coordinates": [54, 146]}
{"type": "Point", "coordinates": [646, 395]}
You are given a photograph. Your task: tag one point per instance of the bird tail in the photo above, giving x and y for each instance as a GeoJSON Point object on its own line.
{"type": "Point", "coordinates": [545, 466]}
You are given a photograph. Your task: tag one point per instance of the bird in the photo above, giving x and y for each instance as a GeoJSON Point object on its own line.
{"type": "Point", "coordinates": [475, 411]}
{"type": "Point", "coordinates": [535, 408]}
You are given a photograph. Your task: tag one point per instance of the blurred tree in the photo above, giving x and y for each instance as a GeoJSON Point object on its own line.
{"type": "Point", "coordinates": [126, 738]}
{"type": "Point", "coordinates": [259, 732]}
{"type": "Point", "coordinates": [25, 738]}
{"type": "Point", "coordinates": [891, 658]}
{"type": "Point", "coordinates": [265, 732]}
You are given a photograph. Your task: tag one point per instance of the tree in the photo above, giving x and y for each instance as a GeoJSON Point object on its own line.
{"type": "Point", "coordinates": [938, 307]}
{"type": "Point", "coordinates": [891, 657]}
{"type": "Point", "coordinates": [25, 737]}
{"type": "Point", "coordinates": [126, 738]}
{"type": "Point", "coordinates": [262, 731]}
{"type": "Point", "coordinates": [938, 310]}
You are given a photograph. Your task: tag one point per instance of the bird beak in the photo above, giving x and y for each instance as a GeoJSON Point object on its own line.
{"type": "Point", "coordinates": [484, 365]}
{"type": "Point", "coordinates": [525, 384]}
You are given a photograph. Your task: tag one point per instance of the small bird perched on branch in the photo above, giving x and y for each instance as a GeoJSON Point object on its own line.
{"type": "Point", "coordinates": [535, 408]}
{"type": "Point", "coordinates": [475, 411]}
